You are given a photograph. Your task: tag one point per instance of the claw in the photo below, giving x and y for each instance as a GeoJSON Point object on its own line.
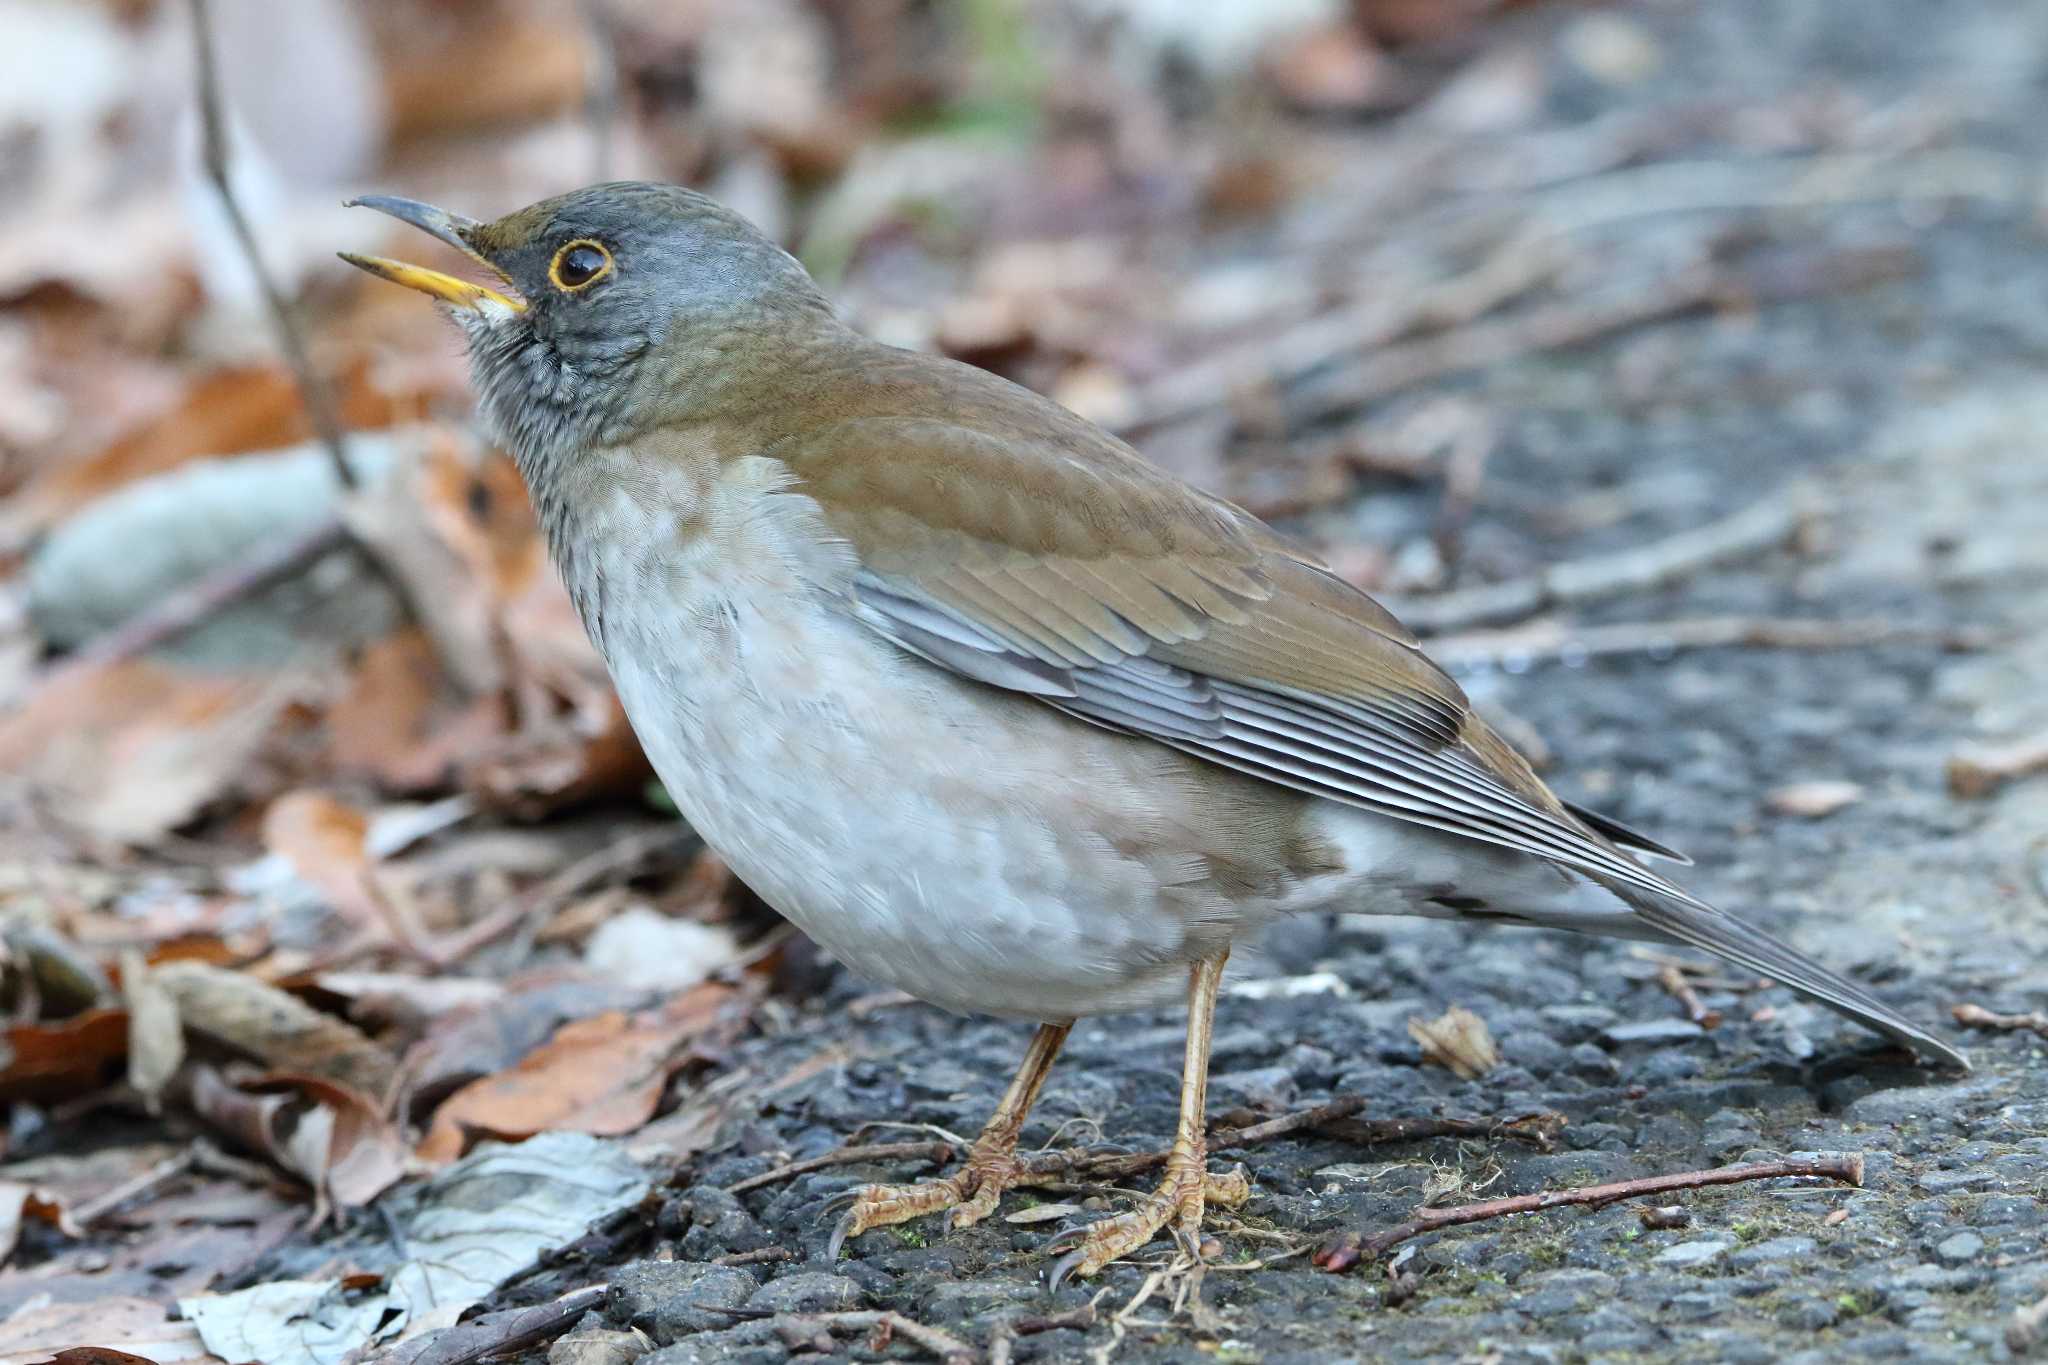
{"type": "Point", "coordinates": [840, 1232]}
{"type": "Point", "coordinates": [1061, 1269]}
{"type": "Point", "coordinates": [842, 1201]}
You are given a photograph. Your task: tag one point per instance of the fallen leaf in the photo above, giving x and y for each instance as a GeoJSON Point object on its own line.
{"type": "Point", "coordinates": [324, 841]}
{"type": "Point", "coordinates": [132, 750]}
{"type": "Point", "coordinates": [156, 1040]}
{"type": "Point", "coordinates": [475, 1225]}
{"type": "Point", "coordinates": [473, 1044]}
{"type": "Point", "coordinates": [328, 1135]}
{"type": "Point", "coordinates": [276, 1028]}
{"type": "Point", "coordinates": [603, 1075]}
{"type": "Point", "coordinates": [1814, 800]}
{"type": "Point", "coordinates": [135, 1327]}
{"type": "Point", "coordinates": [20, 1202]}
{"type": "Point", "coordinates": [1457, 1039]}
{"type": "Point", "coordinates": [44, 1062]}
{"type": "Point", "coordinates": [225, 412]}
{"type": "Point", "coordinates": [641, 947]}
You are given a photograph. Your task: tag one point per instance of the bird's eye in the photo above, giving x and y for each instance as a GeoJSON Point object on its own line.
{"type": "Point", "coordinates": [579, 265]}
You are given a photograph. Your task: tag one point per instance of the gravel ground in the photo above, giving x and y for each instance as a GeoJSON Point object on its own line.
{"type": "Point", "coordinates": [1917, 413]}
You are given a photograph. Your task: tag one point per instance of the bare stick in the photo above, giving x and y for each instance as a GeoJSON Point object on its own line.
{"type": "Point", "coordinates": [1681, 989]}
{"type": "Point", "coordinates": [1550, 640]}
{"type": "Point", "coordinates": [1349, 1249]}
{"type": "Point", "coordinates": [621, 855]}
{"type": "Point", "coordinates": [758, 1256]}
{"type": "Point", "coordinates": [201, 599]}
{"type": "Point", "coordinates": [884, 1325]}
{"type": "Point", "coordinates": [936, 1153]}
{"type": "Point", "coordinates": [1976, 1016]}
{"type": "Point", "coordinates": [1977, 772]}
{"type": "Point", "coordinates": [503, 1333]}
{"type": "Point", "coordinates": [1517, 267]}
{"type": "Point", "coordinates": [1761, 526]}
{"type": "Point", "coordinates": [214, 153]}
{"type": "Point", "coordinates": [1575, 322]}
{"type": "Point", "coordinates": [601, 88]}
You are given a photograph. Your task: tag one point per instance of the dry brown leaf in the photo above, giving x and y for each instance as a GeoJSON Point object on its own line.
{"type": "Point", "coordinates": [123, 1325]}
{"type": "Point", "coordinates": [227, 412]}
{"type": "Point", "coordinates": [131, 751]}
{"type": "Point", "coordinates": [401, 722]}
{"type": "Point", "coordinates": [332, 1136]}
{"type": "Point", "coordinates": [322, 838]}
{"type": "Point", "coordinates": [20, 1202]}
{"type": "Point", "coordinates": [1457, 1039]}
{"type": "Point", "coordinates": [602, 1075]}
{"type": "Point", "coordinates": [478, 65]}
{"type": "Point", "coordinates": [277, 1029]}
{"type": "Point", "coordinates": [470, 1045]}
{"type": "Point", "coordinates": [43, 1062]}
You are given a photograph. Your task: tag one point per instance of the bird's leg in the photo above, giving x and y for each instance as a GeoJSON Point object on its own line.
{"type": "Point", "coordinates": [1188, 1186]}
{"type": "Point", "coordinates": [970, 1193]}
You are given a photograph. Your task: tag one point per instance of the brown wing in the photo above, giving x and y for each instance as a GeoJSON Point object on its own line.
{"type": "Point", "coordinates": [1055, 561]}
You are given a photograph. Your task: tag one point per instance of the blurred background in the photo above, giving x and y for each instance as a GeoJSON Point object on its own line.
{"type": "Point", "coordinates": [1732, 309]}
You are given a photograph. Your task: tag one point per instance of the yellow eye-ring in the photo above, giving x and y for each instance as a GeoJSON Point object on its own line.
{"type": "Point", "coordinates": [579, 265]}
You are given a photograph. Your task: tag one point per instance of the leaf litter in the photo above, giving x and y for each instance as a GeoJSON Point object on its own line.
{"type": "Point", "coordinates": [363, 876]}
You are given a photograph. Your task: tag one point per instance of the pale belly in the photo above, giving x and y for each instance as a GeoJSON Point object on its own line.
{"type": "Point", "coordinates": [979, 851]}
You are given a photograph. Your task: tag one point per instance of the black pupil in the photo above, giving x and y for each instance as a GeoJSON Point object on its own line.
{"type": "Point", "coordinates": [580, 265]}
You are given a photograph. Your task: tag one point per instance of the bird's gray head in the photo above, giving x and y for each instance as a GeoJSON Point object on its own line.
{"type": "Point", "coordinates": [625, 305]}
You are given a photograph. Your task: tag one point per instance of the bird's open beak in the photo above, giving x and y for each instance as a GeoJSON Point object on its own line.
{"type": "Point", "coordinates": [450, 228]}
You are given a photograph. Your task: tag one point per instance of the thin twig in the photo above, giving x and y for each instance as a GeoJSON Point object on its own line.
{"type": "Point", "coordinates": [1349, 1249]}
{"type": "Point", "coordinates": [200, 600]}
{"type": "Point", "coordinates": [503, 1333]}
{"type": "Point", "coordinates": [1976, 772]}
{"type": "Point", "coordinates": [151, 1180]}
{"type": "Point", "coordinates": [1976, 1016]}
{"type": "Point", "coordinates": [214, 153]}
{"type": "Point", "coordinates": [1550, 641]}
{"type": "Point", "coordinates": [601, 88]}
{"type": "Point", "coordinates": [937, 1153]}
{"type": "Point", "coordinates": [948, 1348]}
{"type": "Point", "coordinates": [1681, 989]}
{"type": "Point", "coordinates": [1575, 322]}
{"type": "Point", "coordinates": [758, 1256]}
{"type": "Point", "coordinates": [1514, 269]}
{"type": "Point", "coordinates": [621, 854]}
{"type": "Point", "coordinates": [1761, 526]}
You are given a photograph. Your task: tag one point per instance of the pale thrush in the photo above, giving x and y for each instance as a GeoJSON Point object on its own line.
{"type": "Point", "coordinates": [998, 713]}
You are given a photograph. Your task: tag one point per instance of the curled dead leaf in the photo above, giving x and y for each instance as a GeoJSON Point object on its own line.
{"type": "Point", "coordinates": [602, 1075]}
{"type": "Point", "coordinates": [329, 1135]}
{"type": "Point", "coordinates": [44, 1062]}
{"type": "Point", "coordinates": [277, 1029]}
{"type": "Point", "coordinates": [131, 751]}
{"type": "Point", "coordinates": [1457, 1039]}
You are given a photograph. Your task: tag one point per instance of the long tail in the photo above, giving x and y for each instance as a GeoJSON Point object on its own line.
{"type": "Point", "coordinates": [1701, 926]}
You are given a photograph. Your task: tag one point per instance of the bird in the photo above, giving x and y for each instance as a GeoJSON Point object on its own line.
{"type": "Point", "coordinates": [997, 712]}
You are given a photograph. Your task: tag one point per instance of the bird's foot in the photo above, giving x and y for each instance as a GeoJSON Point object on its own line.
{"type": "Point", "coordinates": [966, 1197]}
{"type": "Point", "coordinates": [1177, 1203]}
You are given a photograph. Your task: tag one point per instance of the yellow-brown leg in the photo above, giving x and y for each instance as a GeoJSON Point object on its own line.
{"type": "Point", "coordinates": [1188, 1186]}
{"type": "Point", "coordinates": [970, 1193]}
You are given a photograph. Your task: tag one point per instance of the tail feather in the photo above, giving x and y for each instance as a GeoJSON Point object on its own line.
{"type": "Point", "coordinates": [1699, 926]}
